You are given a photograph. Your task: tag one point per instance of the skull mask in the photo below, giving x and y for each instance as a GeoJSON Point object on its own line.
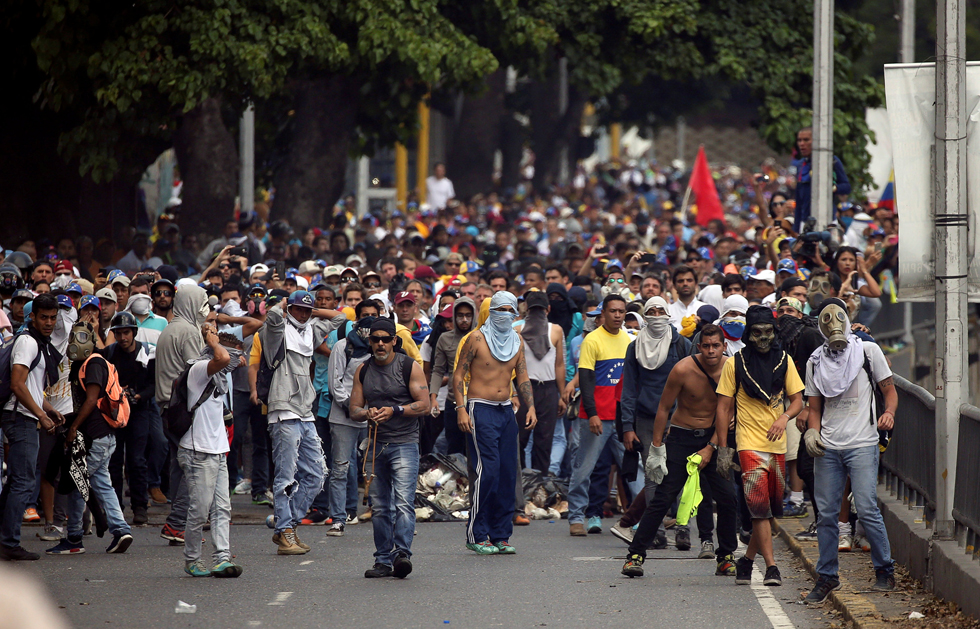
{"type": "Point", "coordinates": [81, 343]}
{"type": "Point", "coordinates": [819, 290]}
{"type": "Point", "coordinates": [835, 326]}
{"type": "Point", "coordinates": [761, 337]}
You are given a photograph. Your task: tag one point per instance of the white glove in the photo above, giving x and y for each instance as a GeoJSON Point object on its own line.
{"type": "Point", "coordinates": [655, 467]}
{"type": "Point", "coordinates": [814, 444]}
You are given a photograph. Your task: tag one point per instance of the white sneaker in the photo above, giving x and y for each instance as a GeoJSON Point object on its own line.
{"type": "Point", "coordinates": [243, 487]}
{"type": "Point", "coordinates": [336, 530]}
{"type": "Point", "coordinates": [51, 533]}
{"type": "Point", "coordinates": [845, 543]}
{"type": "Point", "coordinates": [624, 533]}
{"type": "Point", "coordinates": [861, 543]}
{"type": "Point", "coordinates": [352, 520]}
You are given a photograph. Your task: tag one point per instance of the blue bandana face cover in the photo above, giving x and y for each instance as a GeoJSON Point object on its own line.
{"type": "Point", "coordinates": [502, 340]}
{"type": "Point", "coordinates": [733, 326]}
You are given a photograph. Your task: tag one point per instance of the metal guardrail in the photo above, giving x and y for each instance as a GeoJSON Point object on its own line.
{"type": "Point", "coordinates": [908, 464]}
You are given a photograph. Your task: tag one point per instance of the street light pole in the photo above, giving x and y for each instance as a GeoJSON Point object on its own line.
{"type": "Point", "coordinates": [246, 153]}
{"type": "Point", "coordinates": [822, 158]}
{"type": "Point", "coordinates": [952, 379]}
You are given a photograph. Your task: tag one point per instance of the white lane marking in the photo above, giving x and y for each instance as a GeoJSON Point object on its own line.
{"type": "Point", "coordinates": [773, 610]}
{"type": "Point", "coordinates": [254, 623]}
{"type": "Point", "coordinates": [306, 563]}
{"type": "Point", "coordinates": [280, 598]}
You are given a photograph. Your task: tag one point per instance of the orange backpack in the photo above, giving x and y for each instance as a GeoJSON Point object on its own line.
{"type": "Point", "coordinates": [113, 403]}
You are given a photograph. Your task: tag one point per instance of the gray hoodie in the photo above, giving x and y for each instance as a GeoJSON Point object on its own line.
{"type": "Point", "coordinates": [444, 356]}
{"type": "Point", "coordinates": [292, 386]}
{"type": "Point", "coordinates": [181, 340]}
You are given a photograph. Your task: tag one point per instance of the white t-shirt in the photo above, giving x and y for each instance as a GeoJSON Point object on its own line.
{"type": "Point", "coordinates": [25, 350]}
{"type": "Point", "coordinates": [678, 311]}
{"type": "Point", "coordinates": [439, 191]}
{"type": "Point", "coordinates": [207, 433]}
{"type": "Point", "coordinates": [847, 419]}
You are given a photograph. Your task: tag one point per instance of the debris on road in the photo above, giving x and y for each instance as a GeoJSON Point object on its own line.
{"type": "Point", "coordinates": [184, 608]}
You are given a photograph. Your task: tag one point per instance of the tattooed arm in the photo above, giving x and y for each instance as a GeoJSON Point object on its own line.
{"type": "Point", "coordinates": [524, 388]}
{"type": "Point", "coordinates": [466, 354]}
{"type": "Point", "coordinates": [419, 391]}
{"type": "Point", "coordinates": [887, 419]}
{"type": "Point", "coordinates": [358, 407]}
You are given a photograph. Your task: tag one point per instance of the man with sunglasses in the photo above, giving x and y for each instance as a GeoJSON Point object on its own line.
{"type": "Point", "coordinates": [382, 395]}
{"type": "Point", "coordinates": [162, 293]}
{"type": "Point", "coordinates": [371, 282]}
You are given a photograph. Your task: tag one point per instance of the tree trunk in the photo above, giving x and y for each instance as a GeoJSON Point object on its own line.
{"type": "Point", "coordinates": [551, 131]}
{"type": "Point", "coordinates": [208, 158]}
{"type": "Point", "coordinates": [477, 137]}
{"type": "Point", "coordinates": [512, 137]}
{"type": "Point", "coordinates": [311, 178]}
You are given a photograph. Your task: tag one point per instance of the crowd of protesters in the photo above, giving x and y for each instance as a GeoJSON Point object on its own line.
{"type": "Point", "coordinates": [613, 328]}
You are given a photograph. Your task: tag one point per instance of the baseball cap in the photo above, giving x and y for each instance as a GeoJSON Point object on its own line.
{"type": "Point", "coordinates": [786, 266]}
{"type": "Point", "coordinates": [257, 290]}
{"type": "Point", "coordinates": [351, 259]}
{"type": "Point", "coordinates": [258, 268]}
{"type": "Point", "coordinates": [300, 298]}
{"type": "Point", "coordinates": [768, 275]}
{"type": "Point", "coordinates": [404, 296]}
{"type": "Point", "coordinates": [596, 312]}
{"type": "Point", "coordinates": [470, 267]}
{"type": "Point", "coordinates": [423, 272]}
{"type": "Point", "coordinates": [536, 299]}
{"type": "Point", "coordinates": [64, 301]}
{"type": "Point", "coordinates": [107, 293]}
{"type": "Point", "coordinates": [22, 293]}
{"type": "Point", "coordinates": [62, 266]}
{"type": "Point", "coordinates": [90, 300]}
{"type": "Point", "coordinates": [706, 253]}
{"type": "Point", "coordinates": [348, 269]}
{"type": "Point", "coordinates": [74, 288]}
{"type": "Point", "coordinates": [309, 267]}
{"type": "Point", "coordinates": [117, 277]}
{"type": "Point", "coordinates": [332, 270]}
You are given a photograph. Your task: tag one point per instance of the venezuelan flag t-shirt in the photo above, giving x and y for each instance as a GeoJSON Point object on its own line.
{"type": "Point", "coordinates": [605, 354]}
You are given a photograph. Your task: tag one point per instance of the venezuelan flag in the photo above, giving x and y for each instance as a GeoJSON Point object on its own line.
{"type": "Point", "coordinates": [888, 194]}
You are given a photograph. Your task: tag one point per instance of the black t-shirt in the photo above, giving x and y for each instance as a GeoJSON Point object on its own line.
{"type": "Point", "coordinates": [95, 426]}
{"type": "Point", "coordinates": [126, 368]}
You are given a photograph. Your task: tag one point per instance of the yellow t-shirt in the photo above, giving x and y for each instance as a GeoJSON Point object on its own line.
{"type": "Point", "coordinates": [753, 418]}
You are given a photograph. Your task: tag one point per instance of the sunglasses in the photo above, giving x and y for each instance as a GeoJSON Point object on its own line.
{"type": "Point", "coordinates": [381, 339]}
{"type": "Point", "coordinates": [224, 266]}
{"type": "Point", "coordinates": [372, 284]}
{"type": "Point", "coordinates": [163, 293]}
{"type": "Point", "coordinates": [453, 263]}
{"type": "Point", "coordinates": [778, 203]}
{"type": "Point", "coordinates": [615, 280]}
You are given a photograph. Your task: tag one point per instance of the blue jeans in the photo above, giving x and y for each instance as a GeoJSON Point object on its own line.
{"type": "Point", "coordinates": [830, 472]}
{"type": "Point", "coordinates": [396, 472]}
{"type": "Point", "coordinates": [206, 476]}
{"type": "Point", "coordinates": [589, 449]}
{"type": "Point", "coordinates": [322, 501]}
{"type": "Point", "coordinates": [343, 449]}
{"type": "Point", "coordinates": [97, 462]}
{"type": "Point", "coordinates": [559, 443]}
{"type": "Point", "coordinates": [21, 432]}
{"type": "Point", "coordinates": [299, 470]}
{"type": "Point", "coordinates": [157, 447]}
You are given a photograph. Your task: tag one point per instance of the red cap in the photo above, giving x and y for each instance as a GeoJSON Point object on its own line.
{"type": "Point", "coordinates": [404, 296]}
{"type": "Point", "coordinates": [64, 265]}
{"type": "Point", "coordinates": [423, 272]}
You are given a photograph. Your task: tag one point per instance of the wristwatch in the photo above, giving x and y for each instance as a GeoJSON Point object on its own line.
{"type": "Point", "coordinates": [713, 445]}
{"type": "Point", "coordinates": [398, 411]}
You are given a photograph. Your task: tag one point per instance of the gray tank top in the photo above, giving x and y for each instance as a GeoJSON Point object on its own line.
{"type": "Point", "coordinates": [384, 385]}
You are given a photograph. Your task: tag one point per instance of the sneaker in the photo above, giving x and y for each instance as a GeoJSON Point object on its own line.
{"type": "Point", "coordinates": [139, 515]}
{"type": "Point", "coordinates": [315, 516]}
{"type": "Point", "coordinates": [336, 530]}
{"type": "Point", "coordinates": [119, 544]}
{"type": "Point", "coordinates": [670, 522]}
{"type": "Point", "coordinates": [576, 529]}
{"type": "Point", "coordinates": [726, 566]}
{"type": "Point", "coordinates": [861, 543]}
{"type": "Point", "coordinates": [484, 548]}
{"type": "Point", "coordinates": [30, 515]}
{"type": "Point", "coordinates": [300, 542]}
{"type": "Point", "coordinates": [743, 571]}
{"type": "Point", "coordinates": [244, 487]}
{"type": "Point", "coordinates": [401, 567]}
{"type": "Point", "coordinates": [772, 577]}
{"type": "Point", "coordinates": [884, 582]}
{"type": "Point", "coordinates": [707, 550]}
{"type": "Point", "coordinates": [504, 548]}
{"type": "Point", "coordinates": [169, 532]}
{"type": "Point", "coordinates": [594, 525]}
{"type": "Point", "coordinates": [196, 569]}
{"type": "Point", "coordinates": [660, 541]}
{"type": "Point", "coordinates": [521, 520]}
{"type": "Point", "coordinates": [792, 510]}
{"type": "Point", "coordinates": [682, 539]}
{"type": "Point", "coordinates": [51, 533]}
{"type": "Point", "coordinates": [286, 541]}
{"type": "Point", "coordinates": [633, 566]}
{"type": "Point", "coordinates": [809, 534]}
{"type": "Point", "coordinates": [66, 547]}
{"type": "Point", "coordinates": [226, 570]}
{"type": "Point", "coordinates": [263, 498]}
{"type": "Point", "coordinates": [844, 544]}
{"type": "Point", "coordinates": [744, 536]}
{"type": "Point", "coordinates": [157, 496]}
{"type": "Point", "coordinates": [17, 553]}
{"type": "Point", "coordinates": [821, 590]}
{"type": "Point", "coordinates": [352, 520]}
{"type": "Point", "coordinates": [364, 517]}
{"type": "Point", "coordinates": [378, 571]}
{"type": "Point", "coordinates": [624, 533]}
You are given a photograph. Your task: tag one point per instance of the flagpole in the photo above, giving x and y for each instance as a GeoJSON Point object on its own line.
{"type": "Point", "coordinates": [687, 196]}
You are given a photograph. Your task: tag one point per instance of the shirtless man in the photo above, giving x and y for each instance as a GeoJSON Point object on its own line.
{"type": "Point", "coordinates": [691, 384]}
{"type": "Point", "coordinates": [492, 355]}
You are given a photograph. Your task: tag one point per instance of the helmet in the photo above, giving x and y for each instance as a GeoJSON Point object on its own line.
{"type": "Point", "coordinates": [20, 260]}
{"type": "Point", "coordinates": [123, 320]}
{"type": "Point", "coordinates": [10, 278]}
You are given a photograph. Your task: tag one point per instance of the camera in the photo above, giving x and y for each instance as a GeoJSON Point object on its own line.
{"type": "Point", "coordinates": [239, 252]}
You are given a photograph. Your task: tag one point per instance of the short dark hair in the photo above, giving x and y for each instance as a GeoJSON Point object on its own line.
{"type": "Point", "coordinates": [230, 288]}
{"type": "Point", "coordinates": [354, 287]}
{"type": "Point", "coordinates": [534, 271]}
{"type": "Point", "coordinates": [44, 301]}
{"type": "Point", "coordinates": [654, 276]}
{"type": "Point", "coordinates": [711, 330]}
{"type": "Point", "coordinates": [611, 297]}
{"type": "Point", "coordinates": [790, 284]}
{"type": "Point", "coordinates": [399, 264]}
{"type": "Point", "coordinates": [733, 278]}
{"type": "Point", "coordinates": [138, 281]}
{"type": "Point", "coordinates": [326, 288]}
{"type": "Point", "coordinates": [498, 274]}
{"type": "Point", "coordinates": [557, 267]}
{"type": "Point", "coordinates": [212, 273]}
{"type": "Point", "coordinates": [367, 303]}
{"type": "Point", "coordinates": [682, 269]}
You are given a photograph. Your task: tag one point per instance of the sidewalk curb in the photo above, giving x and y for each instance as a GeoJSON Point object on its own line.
{"type": "Point", "coordinates": [856, 608]}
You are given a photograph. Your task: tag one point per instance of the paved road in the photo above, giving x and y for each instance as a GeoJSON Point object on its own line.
{"type": "Point", "coordinates": [555, 580]}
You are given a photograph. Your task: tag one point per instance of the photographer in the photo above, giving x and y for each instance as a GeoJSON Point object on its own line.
{"type": "Point", "coordinates": [136, 370]}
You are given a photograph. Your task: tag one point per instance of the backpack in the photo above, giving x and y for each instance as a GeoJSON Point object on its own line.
{"type": "Point", "coordinates": [263, 380]}
{"type": "Point", "coordinates": [178, 417]}
{"type": "Point", "coordinates": [6, 353]}
{"type": "Point", "coordinates": [113, 402]}
{"type": "Point", "coordinates": [406, 371]}
{"type": "Point", "coordinates": [884, 436]}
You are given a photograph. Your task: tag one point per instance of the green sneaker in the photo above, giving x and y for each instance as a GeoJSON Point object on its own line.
{"type": "Point", "coordinates": [196, 569]}
{"type": "Point", "coordinates": [634, 565]}
{"type": "Point", "coordinates": [226, 570]}
{"type": "Point", "coordinates": [504, 548]}
{"type": "Point", "coordinates": [484, 548]}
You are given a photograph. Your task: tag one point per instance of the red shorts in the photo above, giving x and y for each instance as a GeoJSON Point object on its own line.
{"type": "Point", "coordinates": [764, 483]}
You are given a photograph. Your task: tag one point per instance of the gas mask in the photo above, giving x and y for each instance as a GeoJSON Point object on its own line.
{"type": "Point", "coordinates": [834, 325]}
{"type": "Point", "coordinates": [818, 290]}
{"type": "Point", "coordinates": [81, 342]}
{"type": "Point", "coordinates": [761, 337]}
{"type": "Point", "coordinates": [256, 307]}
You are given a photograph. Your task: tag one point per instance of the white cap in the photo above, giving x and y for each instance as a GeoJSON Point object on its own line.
{"type": "Point", "coordinates": [107, 293]}
{"type": "Point", "coordinates": [257, 268]}
{"type": "Point", "coordinates": [767, 275]}
{"type": "Point", "coordinates": [309, 267]}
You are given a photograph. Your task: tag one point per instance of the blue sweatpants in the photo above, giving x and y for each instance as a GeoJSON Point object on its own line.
{"type": "Point", "coordinates": [493, 445]}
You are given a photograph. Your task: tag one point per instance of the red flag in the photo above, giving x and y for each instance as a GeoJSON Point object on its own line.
{"type": "Point", "coordinates": [706, 195]}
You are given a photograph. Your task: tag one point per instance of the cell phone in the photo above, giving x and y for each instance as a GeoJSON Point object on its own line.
{"type": "Point", "coordinates": [599, 249]}
{"type": "Point", "coordinates": [104, 272]}
{"type": "Point", "coordinates": [281, 270]}
{"type": "Point", "coordinates": [761, 178]}
{"type": "Point", "coordinates": [239, 251]}
{"type": "Point", "coordinates": [648, 258]}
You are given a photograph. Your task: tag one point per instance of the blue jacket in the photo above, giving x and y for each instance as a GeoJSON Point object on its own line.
{"type": "Point", "coordinates": [803, 182]}
{"type": "Point", "coordinates": [642, 388]}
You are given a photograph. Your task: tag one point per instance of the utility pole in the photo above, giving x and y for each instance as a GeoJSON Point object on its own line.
{"type": "Point", "coordinates": [563, 165]}
{"type": "Point", "coordinates": [246, 153]}
{"type": "Point", "coordinates": [906, 54]}
{"type": "Point", "coordinates": [952, 379]}
{"type": "Point", "coordinates": [422, 152]}
{"type": "Point", "coordinates": [822, 157]}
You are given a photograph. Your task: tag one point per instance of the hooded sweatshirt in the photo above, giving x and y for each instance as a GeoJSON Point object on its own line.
{"type": "Point", "coordinates": [444, 356]}
{"type": "Point", "coordinates": [181, 341]}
